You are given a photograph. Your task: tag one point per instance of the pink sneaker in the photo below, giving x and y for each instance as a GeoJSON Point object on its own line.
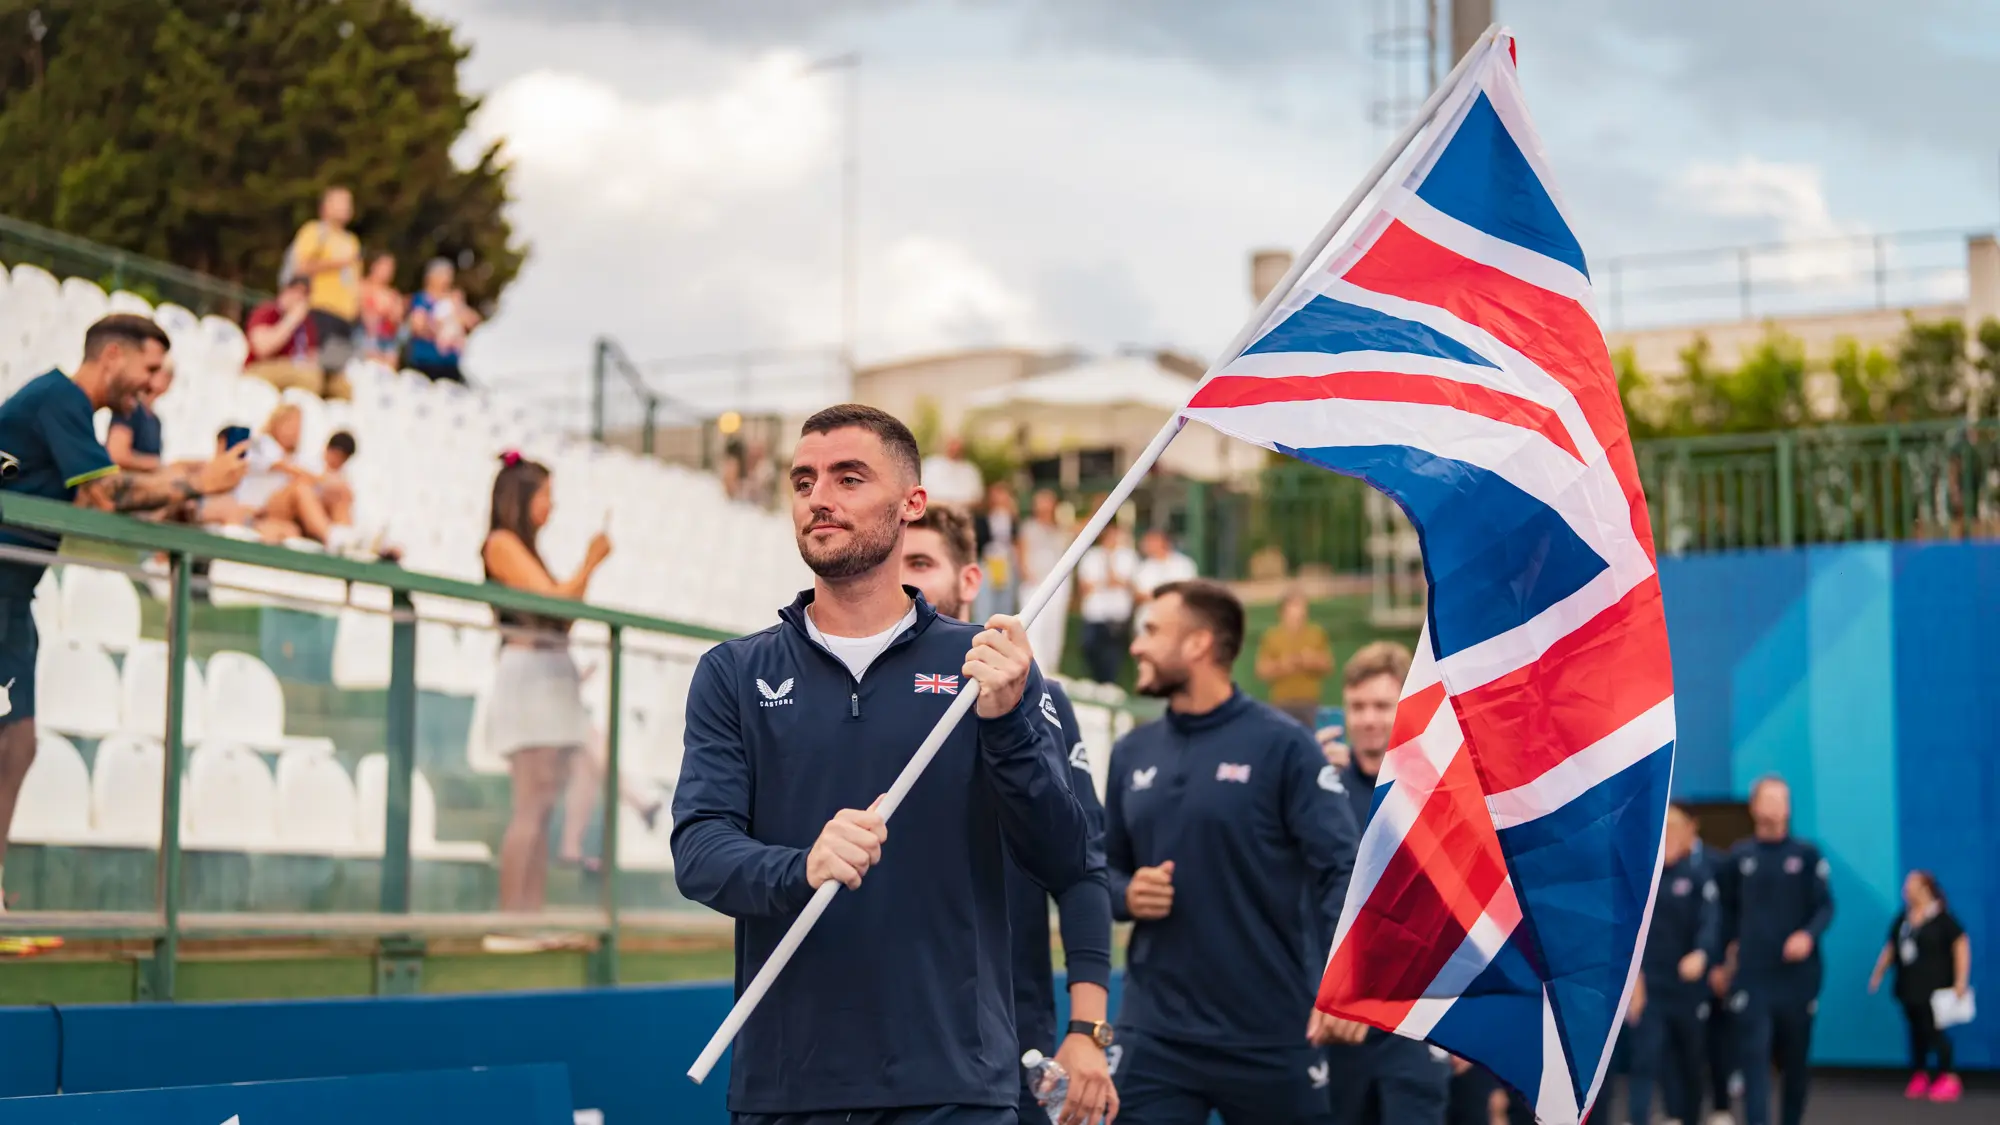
{"type": "Point", "coordinates": [1947, 1089]}
{"type": "Point", "coordinates": [1919, 1087]}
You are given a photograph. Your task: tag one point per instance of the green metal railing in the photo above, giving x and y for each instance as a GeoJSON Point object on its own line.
{"type": "Point", "coordinates": [66, 255]}
{"type": "Point", "coordinates": [398, 928]}
{"type": "Point", "coordinates": [1836, 484]}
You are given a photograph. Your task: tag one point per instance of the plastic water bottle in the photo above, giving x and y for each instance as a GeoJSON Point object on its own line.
{"type": "Point", "coordinates": [1048, 1081]}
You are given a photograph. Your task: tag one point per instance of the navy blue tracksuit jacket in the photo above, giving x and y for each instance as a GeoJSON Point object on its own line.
{"type": "Point", "coordinates": [1771, 890]}
{"type": "Point", "coordinates": [1084, 907]}
{"type": "Point", "coordinates": [1687, 916]}
{"type": "Point", "coordinates": [1237, 799]}
{"type": "Point", "coordinates": [903, 994]}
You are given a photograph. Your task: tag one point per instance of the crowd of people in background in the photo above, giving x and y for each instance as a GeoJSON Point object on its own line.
{"type": "Point", "coordinates": [329, 310]}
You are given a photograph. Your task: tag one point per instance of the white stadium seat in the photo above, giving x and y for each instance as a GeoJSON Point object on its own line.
{"type": "Point", "coordinates": [54, 805]}
{"type": "Point", "coordinates": [124, 301]}
{"type": "Point", "coordinates": [47, 606]}
{"type": "Point", "coordinates": [316, 803]}
{"type": "Point", "coordinates": [76, 689]}
{"type": "Point", "coordinates": [371, 783]}
{"type": "Point", "coordinates": [143, 694]}
{"type": "Point", "coordinates": [126, 784]}
{"type": "Point", "coordinates": [245, 702]}
{"type": "Point", "coordinates": [230, 801]}
{"type": "Point", "coordinates": [100, 607]}
{"type": "Point", "coordinates": [361, 640]}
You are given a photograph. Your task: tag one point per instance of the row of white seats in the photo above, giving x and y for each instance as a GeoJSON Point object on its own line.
{"type": "Point", "coordinates": [230, 801]}
{"type": "Point", "coordinates": [81, 691]}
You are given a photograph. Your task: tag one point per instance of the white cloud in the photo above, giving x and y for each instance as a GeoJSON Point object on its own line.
{"type": "Point", "coordinates": [1792, 196]}
{"type": "Point", "coordinates": [578, 143]}
{"type": "Point", "coordinates": [935, 294]}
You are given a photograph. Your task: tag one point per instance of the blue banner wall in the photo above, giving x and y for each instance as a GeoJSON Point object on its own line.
{"type": "Point", "coordinates": [1865, 676]}
{"type": "Point", "coordinates": [30, 1044]}
{"type": "Point", "coordinates": [514, 1095]}
{"type": "Point", "coordinates": [627, 1049]}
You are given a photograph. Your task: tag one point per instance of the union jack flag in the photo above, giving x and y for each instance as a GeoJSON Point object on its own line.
{"type": "Point", "coordinates": [1449, 354]}
{"type": "Point", "coordinates": [936, 685]}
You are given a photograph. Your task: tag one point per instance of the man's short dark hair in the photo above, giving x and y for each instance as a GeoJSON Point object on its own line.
{"type": "Point", "coordinates": [1215, 609]}
{"type": "Point", "coordinates": [343, 442]}
{"type": "Point", "coordinates": [894, 435]}
{"type": "Point", "coordinates": [954, 526]}
{"type": "Point", "coordinates": [127, 329]}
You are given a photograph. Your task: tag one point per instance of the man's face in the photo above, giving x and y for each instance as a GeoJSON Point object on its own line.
{"type": "Point", "coordinates": [1371, 716]}
{"type": "Point", "coordinates": [927, 565]}
{"type": "Point", "coordinates": [1168, 643]}
{"type": "Point", "coordinates": [1680, 835]}
{"type": "Point", "coordinates": [850, 500]}
{"type": "Point", "coordinates": [336, 459]}
{"type": "Point", "coordinates": [1771, 810]}
{"type": "Point", "coordinates": [292, 297]}
{"type": "Point", "coordinates": [1293, 612]}
{"type": "Point", "coordinates": [338, 207]}
{"type": "Point", "coordinates": [161, 384]}
{"type": "Point", "coordinates": [1153, 545]}
{"type": "Point", "coordinates": [130, 369]}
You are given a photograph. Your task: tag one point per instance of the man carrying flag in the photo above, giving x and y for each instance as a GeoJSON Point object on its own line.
{"type": "Point", "coordinates": [1229, 843]}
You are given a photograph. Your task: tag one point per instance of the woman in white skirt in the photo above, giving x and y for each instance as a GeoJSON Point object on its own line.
{"type": "Point", "coordinates": [536, 718]}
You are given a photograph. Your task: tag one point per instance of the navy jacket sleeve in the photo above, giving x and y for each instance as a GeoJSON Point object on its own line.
{"type": "Point", "coordinates": [1728, 885]}
{"type": "Point", "coordinates": [1319, 816]}
{"type": "Point", "coordinates": [1025, 764]}
{"type": "Point", "coordinates": [1822, 895]}
{"type": "Point", "coordinates": [1708, 926]}
{"type": "Point", "coordinates": [1084, 907]}
{"type": "Point", "coordinates": [1118, 865]}
{"type": "Point", "coordinates": [716, 862]}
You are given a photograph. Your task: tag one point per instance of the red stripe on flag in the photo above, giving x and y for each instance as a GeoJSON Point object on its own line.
{"type": "Point", "coordinates": [1414, 714]}
{"type": "Point", "coordinates": [1389, 386]}
{"type": "Point", "coordinates": [1554, 332]}
{"type": "Point", "coordinates": [1590, 683]}
{"type": "Point", "coordinates": [1445, 871]}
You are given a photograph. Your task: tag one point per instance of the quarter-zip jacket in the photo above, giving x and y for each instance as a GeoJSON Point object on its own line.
{"type": "Point", "coordinates": [1257, 826]}
{"type": "Point", "coordinates": [1770, 891]}
{"type": "Point", "coordinates": [1084, 907]}
{"type": "Point", "coordinates": [903, 993]}
{"type": "Point", "coordinates": [1687, 915]}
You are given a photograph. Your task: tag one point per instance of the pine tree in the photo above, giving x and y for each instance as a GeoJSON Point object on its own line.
{"type": "Point", "coordinates": [204, 131]}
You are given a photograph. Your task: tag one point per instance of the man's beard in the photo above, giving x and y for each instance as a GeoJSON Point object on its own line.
{"type": "Point", "coordinates": [951, 605]}
{"type": "Point", "coordinates": [867, 548]}
{"type": "Point", "coordinates": [1162, 683]}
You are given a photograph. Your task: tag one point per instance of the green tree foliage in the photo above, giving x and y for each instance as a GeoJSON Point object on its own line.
{"type": "Point", "coordinates": [1934, 372]}
{"type": "Point", "coordinates": [203, 132]}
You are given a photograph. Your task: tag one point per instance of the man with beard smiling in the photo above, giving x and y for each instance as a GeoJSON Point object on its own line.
{"type": "Point", "coordinates": [897, 1010]}
{"type": "Point", "coordinates": [1230, 845]}
{"type": "Point", "coordinates": [940, 555]}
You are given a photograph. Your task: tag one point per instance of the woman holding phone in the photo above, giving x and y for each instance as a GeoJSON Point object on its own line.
{"type": "Point", "coordinates": [537, 719]}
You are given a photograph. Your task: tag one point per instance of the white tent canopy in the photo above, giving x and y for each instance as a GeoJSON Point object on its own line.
{"type": "Point", "coordinates": [1118, 402]}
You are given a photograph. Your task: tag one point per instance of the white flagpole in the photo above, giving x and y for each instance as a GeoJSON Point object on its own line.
{"type": "Point", "coordinates": [780, 956]}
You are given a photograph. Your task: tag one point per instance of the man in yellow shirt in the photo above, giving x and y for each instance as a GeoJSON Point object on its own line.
{"type": "Point", "coordinates": [328, 256]}
{"type": "Point", "coordinates": [1294, 659]}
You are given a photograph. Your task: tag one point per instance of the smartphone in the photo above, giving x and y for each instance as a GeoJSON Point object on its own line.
{"type": "Point", "coordinates": [1329, 717]}
{"type": "Point", "coordinates": [234, 436]}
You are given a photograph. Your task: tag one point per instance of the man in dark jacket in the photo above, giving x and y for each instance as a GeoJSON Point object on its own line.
{"type": "Point", "coordinates": [897, 1010]}
{"type": "Point", "coordinates": [1670, 1002]}
{"type": "Point", "coordinates": [1776, 905]}
{"type": "Point", "coordinates": [939, 562]}
{"type": "Point", "coordinates": [1224, 826]}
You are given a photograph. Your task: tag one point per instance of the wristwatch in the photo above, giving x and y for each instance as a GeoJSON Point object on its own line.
{"type": "Point", "coordinates": [1099, 1031]}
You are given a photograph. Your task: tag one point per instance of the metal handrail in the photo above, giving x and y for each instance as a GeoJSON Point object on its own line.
{"type": "Point", "coordinates": [121, 265]}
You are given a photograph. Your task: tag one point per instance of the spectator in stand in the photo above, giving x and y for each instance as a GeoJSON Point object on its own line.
{"type": "Point", "coordinates": [1105, 573]}
{"type": "Point", "coordinates": [440, 320]}
{"type": "Point", "coordinates": [1043, 539]}
{"type": "Point", "coordinates": [994, 528]}
{"type": "Point", "coordinates": [328, 256]}
{"type": "Point", "coordinates": [285, 498]}
{"type": "Point", "coordinates": [1931, 953]}
{"type": "Point", "coordinates": [284, 344]}
{"type": "Point", "coordinates": [730, 471]}
{"type": "Point", "coordinates": [760, 476]}
{"type": "Point", "coordinates": [951, 479]}
{"type": "Point", "coordinates": [537, 720]}
{"type": "Point", "coordinates": [47, 427]}
{"type": "Point", "coordinates": [382, 310]}
{"type": "Point", "coordinates": [134, 439]}
{"type": "Point", "coordinates": [1293, 659]}
{"type": "Point", "coordinates": [1159, 564]}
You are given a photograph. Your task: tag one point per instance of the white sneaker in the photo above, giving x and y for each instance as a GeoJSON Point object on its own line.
{"type": "Point", "coordinates": [1722, 1117]}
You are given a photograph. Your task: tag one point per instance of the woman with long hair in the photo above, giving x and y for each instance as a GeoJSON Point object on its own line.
{"type": "Point", "coordinates": [1931, 953]}
{"type": "Point", "coordinates": [536, 718]}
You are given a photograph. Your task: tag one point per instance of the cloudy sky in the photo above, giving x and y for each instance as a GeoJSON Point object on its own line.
{"type": "Point", "coordinates": [1095, 172]}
